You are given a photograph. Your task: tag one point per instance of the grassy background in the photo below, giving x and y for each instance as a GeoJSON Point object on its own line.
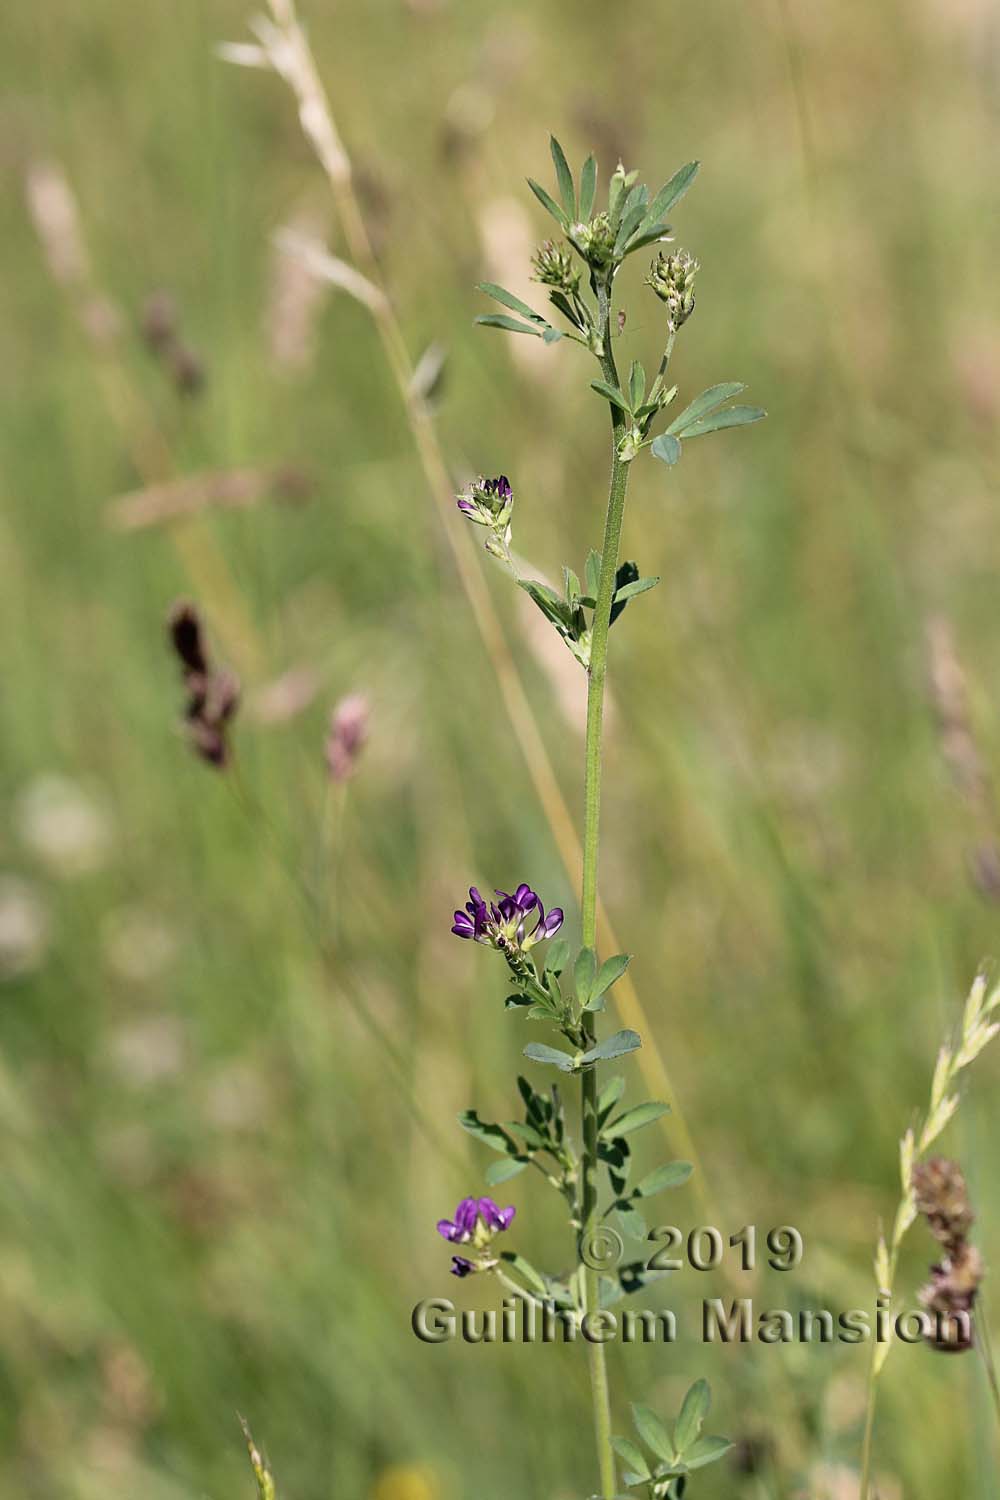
{"type": "Point", "coordinates": [214, 1195]}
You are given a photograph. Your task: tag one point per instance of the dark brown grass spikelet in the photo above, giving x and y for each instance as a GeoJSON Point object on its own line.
{"type": "Point", "coordinates": [942, 1197]}
{"type": "Point", "coordinates": [212, 695]}
{"type": "Point", "coordinates": [161, 329]}
{"type": "Point", "coordinates": [186, 634]}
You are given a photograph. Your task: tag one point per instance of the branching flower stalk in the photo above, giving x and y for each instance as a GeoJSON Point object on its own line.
{"type": "Point", "coordinates": [281, 45]}
{"type": "Point", "coordinates": [980, 1024]}
{"type": "Point", "coordinates": [516, 922]}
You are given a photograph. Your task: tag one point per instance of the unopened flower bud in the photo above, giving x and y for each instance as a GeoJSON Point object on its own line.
{"type": "Point", "coordinates": [672, 278]}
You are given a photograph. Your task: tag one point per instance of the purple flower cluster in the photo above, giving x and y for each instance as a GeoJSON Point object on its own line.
{"type": "Point", "coordinates": [504, 923]}
{"type": "Point", "coordinates": [490, 503]}
{"type": "Point", "coordinates": [486, 500]}
{"type": "Point", "coordinates": [475, 1223]}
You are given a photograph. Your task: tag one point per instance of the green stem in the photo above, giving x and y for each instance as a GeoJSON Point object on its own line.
{"type": "Point", "coordinates": [985, 1346]}
{"type": "Point", "coordinates": [592, 817]}
{"type": "Point", "coordinates": [866, 1446]}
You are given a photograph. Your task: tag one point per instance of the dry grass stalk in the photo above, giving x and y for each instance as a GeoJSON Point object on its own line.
{"type": "Point", "coordinates": [218, 489]}
{"type": "Point", "coordinates": [950, 698]}
{"type": "Point", "coordinates": [54, 212]}
{"type": "Point", "coordinates": [295, 298]}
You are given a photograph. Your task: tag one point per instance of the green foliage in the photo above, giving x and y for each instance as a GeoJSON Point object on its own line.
{"type": "Point", "coordinates": [677, 1449]}
{"type": "Point", "coordinates": [775, 912]}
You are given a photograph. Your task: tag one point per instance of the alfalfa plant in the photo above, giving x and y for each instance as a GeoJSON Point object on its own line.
{"type": "Point", "coordinates": [563, 992]}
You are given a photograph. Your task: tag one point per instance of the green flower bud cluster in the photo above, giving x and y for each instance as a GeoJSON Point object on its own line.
{"type": "Point", "coordinates": [672, 278]}
{"type": "Point", "coordinates": [554, 267]}
{"type": "Point", "coordinates": [595, 241]}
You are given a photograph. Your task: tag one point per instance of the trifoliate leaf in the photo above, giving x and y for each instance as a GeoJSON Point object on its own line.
{"type": "Point", "coordinates": [715, 396]}
{"type": "Point", "coordinates": [733, 416]}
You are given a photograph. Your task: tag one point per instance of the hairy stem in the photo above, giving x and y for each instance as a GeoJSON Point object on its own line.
{"type": "Point", "coordinates": [592, 818]}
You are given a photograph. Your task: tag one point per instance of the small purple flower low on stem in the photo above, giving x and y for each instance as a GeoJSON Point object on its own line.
{"type": "Point", "coordinates": [476, 1222]}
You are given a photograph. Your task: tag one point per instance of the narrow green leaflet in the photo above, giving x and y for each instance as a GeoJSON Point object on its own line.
{"type": "Point", "coordinates": [733, 416]}
{"type": "Point", "coordinates": [666, 448]}
{"type": "Point", "coordinates": [631, 220]}
{"type": "Point", "coordinates": [588, 188]}
{"type": "Point", "coordinates": [626, 573]}
{"type": "Point", "coordinates": [694, 1410]}
{"type": "Point", "coordinates": [555, 958]}
{"type": "Point", "coordinates": [500, 320]}
{"type": "Point", "coordinates": [548, 202]}
{"type": "Point", "coordinates": [583, 973]}
{"type": "Point", "coordinates": [538, 1052]}
{"type": "Point", "coordinates": [716, 395]}
{"type": "Point", "coordinates": [500, 1171]}
{"type": "Point", "coordinates": [632, 1456]}
{"type": "Point", "coordinates": [670, 194]}
{"type": "Point", "coordinates": [610, 1095]}
{"type": "Point", "coordinates": [637, 586]}
{"type": "Point", "coordinates": [611, 393]}
{"type": "Point", "coordinates": [564, 177]}
{"type": "Point", "coordinates": [707, 1450]}
{"type": "Point", "coordinates": [491, 1135]}
{"type": "Point", "coordinates": [507, 299]}
{"type": "Point", "coordinates": [613, 1046]}
{"type": "Point", "coordinates": [631, 1220]}
{"type": "Point", "coordinates": [671, 1174]}
{"type": "Point", "coordinates": [645, 237]}
{"type": "Point", "coordinates": [654, 1433]}
{"type": "Point", "coordinates": [610, 971]}
{"type": "Point", "coordinates": [636, 384]}
{"type": "Point", "coordinates": [549, 602]}
{"type": "Point", "coordinates": [524, 1268]}
{"type": "Point", "coordinates": [636, 1117]}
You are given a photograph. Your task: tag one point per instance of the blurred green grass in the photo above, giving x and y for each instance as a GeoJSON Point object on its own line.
{"type": "Point", "coordinates": [215, 1197]}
